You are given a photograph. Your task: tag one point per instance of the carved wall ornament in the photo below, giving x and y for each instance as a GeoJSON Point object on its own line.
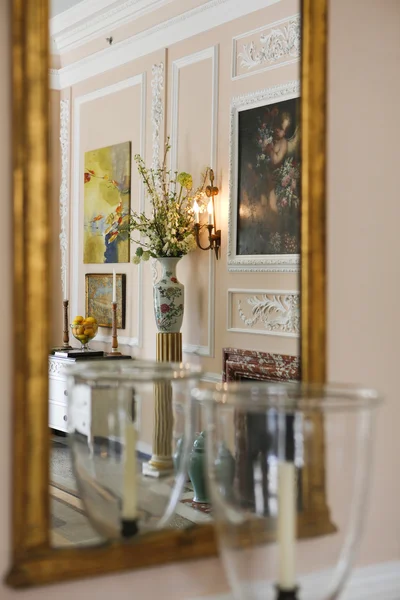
{"type": "Point", "coordinates": [279, 43]}
{"type": "Point", "coordinates": [264, 312]}
{"type": "Point", "coordinates": [279, 313]}
{"type": "Point", "coordinates": [64, 192]}
{"type": "Point", "coordinates": [157, 110]}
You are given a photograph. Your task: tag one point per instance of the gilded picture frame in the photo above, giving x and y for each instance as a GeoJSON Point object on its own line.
{"type": "Point", "coordinates": [98, 298]}
{"type": "Point", "coordinates": [33, 560]}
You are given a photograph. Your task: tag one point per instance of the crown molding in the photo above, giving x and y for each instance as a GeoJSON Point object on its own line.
{"type": "Point", "coordinates": [176, 29]}
{"type": "Point", "coordinates": [90, 19]}
{"type": "Point", "coordinates": [77, 14]}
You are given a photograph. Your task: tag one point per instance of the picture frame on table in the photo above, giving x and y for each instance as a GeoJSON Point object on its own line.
{"type": "Point", "coordinates": [264, 181]}
{"type": "Point", "coordinates": [98, 298]}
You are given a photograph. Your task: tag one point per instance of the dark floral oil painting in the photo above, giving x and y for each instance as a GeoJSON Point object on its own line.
{"type": "Point", "coordinates": [268, 217]}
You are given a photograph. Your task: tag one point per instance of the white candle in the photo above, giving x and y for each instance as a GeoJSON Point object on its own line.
{"type": "Point", "coordinates": [196, 210]}
{"type": "Point", "coordinates": [210, 212]}
{"type": "Point", "coordinates": [287, 525]}
{"type": "Point", "coordinates": [129, 501]}
{"type": "Point", "coordinates": [114, 296]}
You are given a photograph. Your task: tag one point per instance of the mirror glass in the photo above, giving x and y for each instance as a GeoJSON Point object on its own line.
{"type": "Point", "coordinates": [218, 82]}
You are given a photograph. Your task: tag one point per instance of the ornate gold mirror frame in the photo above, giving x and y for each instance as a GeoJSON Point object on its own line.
{"type": "Point", "coordinates": [34, 561]}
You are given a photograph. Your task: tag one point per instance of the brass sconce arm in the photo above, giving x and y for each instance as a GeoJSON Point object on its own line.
{"type": "Point", "coordinates": [213, 238]}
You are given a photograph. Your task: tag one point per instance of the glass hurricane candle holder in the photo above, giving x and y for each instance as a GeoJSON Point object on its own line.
{"type": "Point", "coordinates": [127, 420]}
{"type": "Point", "coordinates": [290, 513]}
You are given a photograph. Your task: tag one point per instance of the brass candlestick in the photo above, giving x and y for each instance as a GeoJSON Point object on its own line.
{"type": "Point", "coordinates": [114, 345]}
{"type": "Point", "coordinates": [66, 326]}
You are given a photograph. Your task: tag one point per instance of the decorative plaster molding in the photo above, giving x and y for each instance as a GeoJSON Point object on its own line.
{"type": "Point", "coordinates": [272, 263]}
{"type": "Point", "coordinates": [277, 312]}
{"type": "Point", "coordinates": [54, 79]}
{"type": "Point", "coordinates": [210, 377]}
{"type": "Point", "coordinates": [157, 111]}
{"type": "Point", "coordinates": [77, 179]}
{"type": "Point", "coordinates": [211, 53]}
{"type": "Point", "coordinates": [186, 25]}
{"type": "Point", "coordinates": [280, 43]}
{"type": "Point", "coordinates": [56, 367]}
{"type": "Point", "coordinates": [64, 193]}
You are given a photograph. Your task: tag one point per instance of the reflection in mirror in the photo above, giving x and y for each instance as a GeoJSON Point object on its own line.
{"type": "Point", "coordinates": [225, 97]}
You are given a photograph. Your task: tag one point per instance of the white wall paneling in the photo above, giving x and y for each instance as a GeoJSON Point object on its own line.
{"type": "Point", "coordinates": [76, 254]}
{"type": "Point", "coordinates": [271, 46]}
{"type": "Point", "coordinates": [184, 26]}
{"type": "Point", "coordinates": [212, 54]}
{"type": "Point", "coordinates": [264, 312]}
{"type": "Point", "coordinates": [64, 193]}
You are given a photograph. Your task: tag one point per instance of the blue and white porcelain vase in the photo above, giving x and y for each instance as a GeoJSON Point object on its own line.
{"type": "Point", "coordinates": [169, 295]}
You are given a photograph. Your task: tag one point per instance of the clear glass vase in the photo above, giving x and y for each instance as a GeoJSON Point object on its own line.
{"type": "Point", "coordinates": [289, 513]}
{"type": "Point", "coordinates": [127, 421]}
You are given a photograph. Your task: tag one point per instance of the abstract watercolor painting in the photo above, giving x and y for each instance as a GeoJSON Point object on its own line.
{"type": "Point", "coordinates": [107, 196]}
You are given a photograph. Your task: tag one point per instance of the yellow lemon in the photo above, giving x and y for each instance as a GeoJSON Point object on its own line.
{"type": "Point", "coordinates": [90, 320]}
{"type": "Point", "coordinates": [78, 319]}
{"type": "Point", "coordinates": [89, 331]}
{"type": "Point", "coordinates": [80, 330]}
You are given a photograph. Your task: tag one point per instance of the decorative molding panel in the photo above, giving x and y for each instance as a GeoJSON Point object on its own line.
{"type": "Point", "coordinates": [172, 31]}
{"type": "Point", "coordinates": [57, 367]}
{"type": "Point", "coordinates": [273, 263]}
{"type": "Point", "coordinates": [212, 54]}
{"type": "Point", "coordinates": [64, 194]}
{"type": "Point", "coordinates": [157, 111]}
{"type": "Point", "coordinates": [77, 181]}
{"type": "Point", "coordinates": [209, 377]}
{"type": "Point", "coordinates": [264, 312]}
{"type": "Point", "coordinates": [276, 45]}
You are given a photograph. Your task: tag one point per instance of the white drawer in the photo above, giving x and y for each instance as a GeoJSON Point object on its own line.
{"type": "Point", "coordinates": [58, 416]}
{"type": "Point", "coordinates": [82, 422]}
{"type": "Point", "coordinates": [58, 391]}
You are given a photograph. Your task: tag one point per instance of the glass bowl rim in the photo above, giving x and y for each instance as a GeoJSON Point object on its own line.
{"type": "Point", "coordinates": [288, 396]}
{"type": "Point", "coordinates": [127, 371]}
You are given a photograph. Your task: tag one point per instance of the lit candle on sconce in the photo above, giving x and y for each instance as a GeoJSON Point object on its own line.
{"type": "Point", "coordinates": [196, 210]}
{"type": "Point", "coordinates": [210, 210]}
{"type": "Point", "coordinates": [114, 293]}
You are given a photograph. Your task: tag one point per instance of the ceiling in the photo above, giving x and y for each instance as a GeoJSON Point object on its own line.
{"type": "Point", "coordinates": [59, 6]}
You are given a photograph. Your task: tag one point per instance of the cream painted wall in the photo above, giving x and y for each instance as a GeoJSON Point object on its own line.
{"type": "Point", "coordinates": [362, 274]}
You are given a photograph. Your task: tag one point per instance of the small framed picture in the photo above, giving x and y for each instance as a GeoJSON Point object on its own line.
{"type": "Point", "coordinates": [98, 298]}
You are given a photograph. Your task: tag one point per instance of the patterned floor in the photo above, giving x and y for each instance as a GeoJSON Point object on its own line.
{"type": "Point", "coordinates": [70, 525]}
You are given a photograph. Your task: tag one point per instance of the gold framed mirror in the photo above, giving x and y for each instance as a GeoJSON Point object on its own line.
{"type": "Point", "coordinates": [34, 561]}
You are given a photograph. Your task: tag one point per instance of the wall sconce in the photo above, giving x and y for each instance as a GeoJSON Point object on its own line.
{"type": "Point", "coordinates": [213, 238]}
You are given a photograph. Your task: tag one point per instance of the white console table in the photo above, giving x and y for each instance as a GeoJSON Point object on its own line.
{"type": "Point", "coordinates": [86, 423]}
{"type": "Point", "coordinates": [58, 397]}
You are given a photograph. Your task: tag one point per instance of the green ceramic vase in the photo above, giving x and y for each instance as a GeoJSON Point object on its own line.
{"type": "Point", "coordinates": [197, 469]}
